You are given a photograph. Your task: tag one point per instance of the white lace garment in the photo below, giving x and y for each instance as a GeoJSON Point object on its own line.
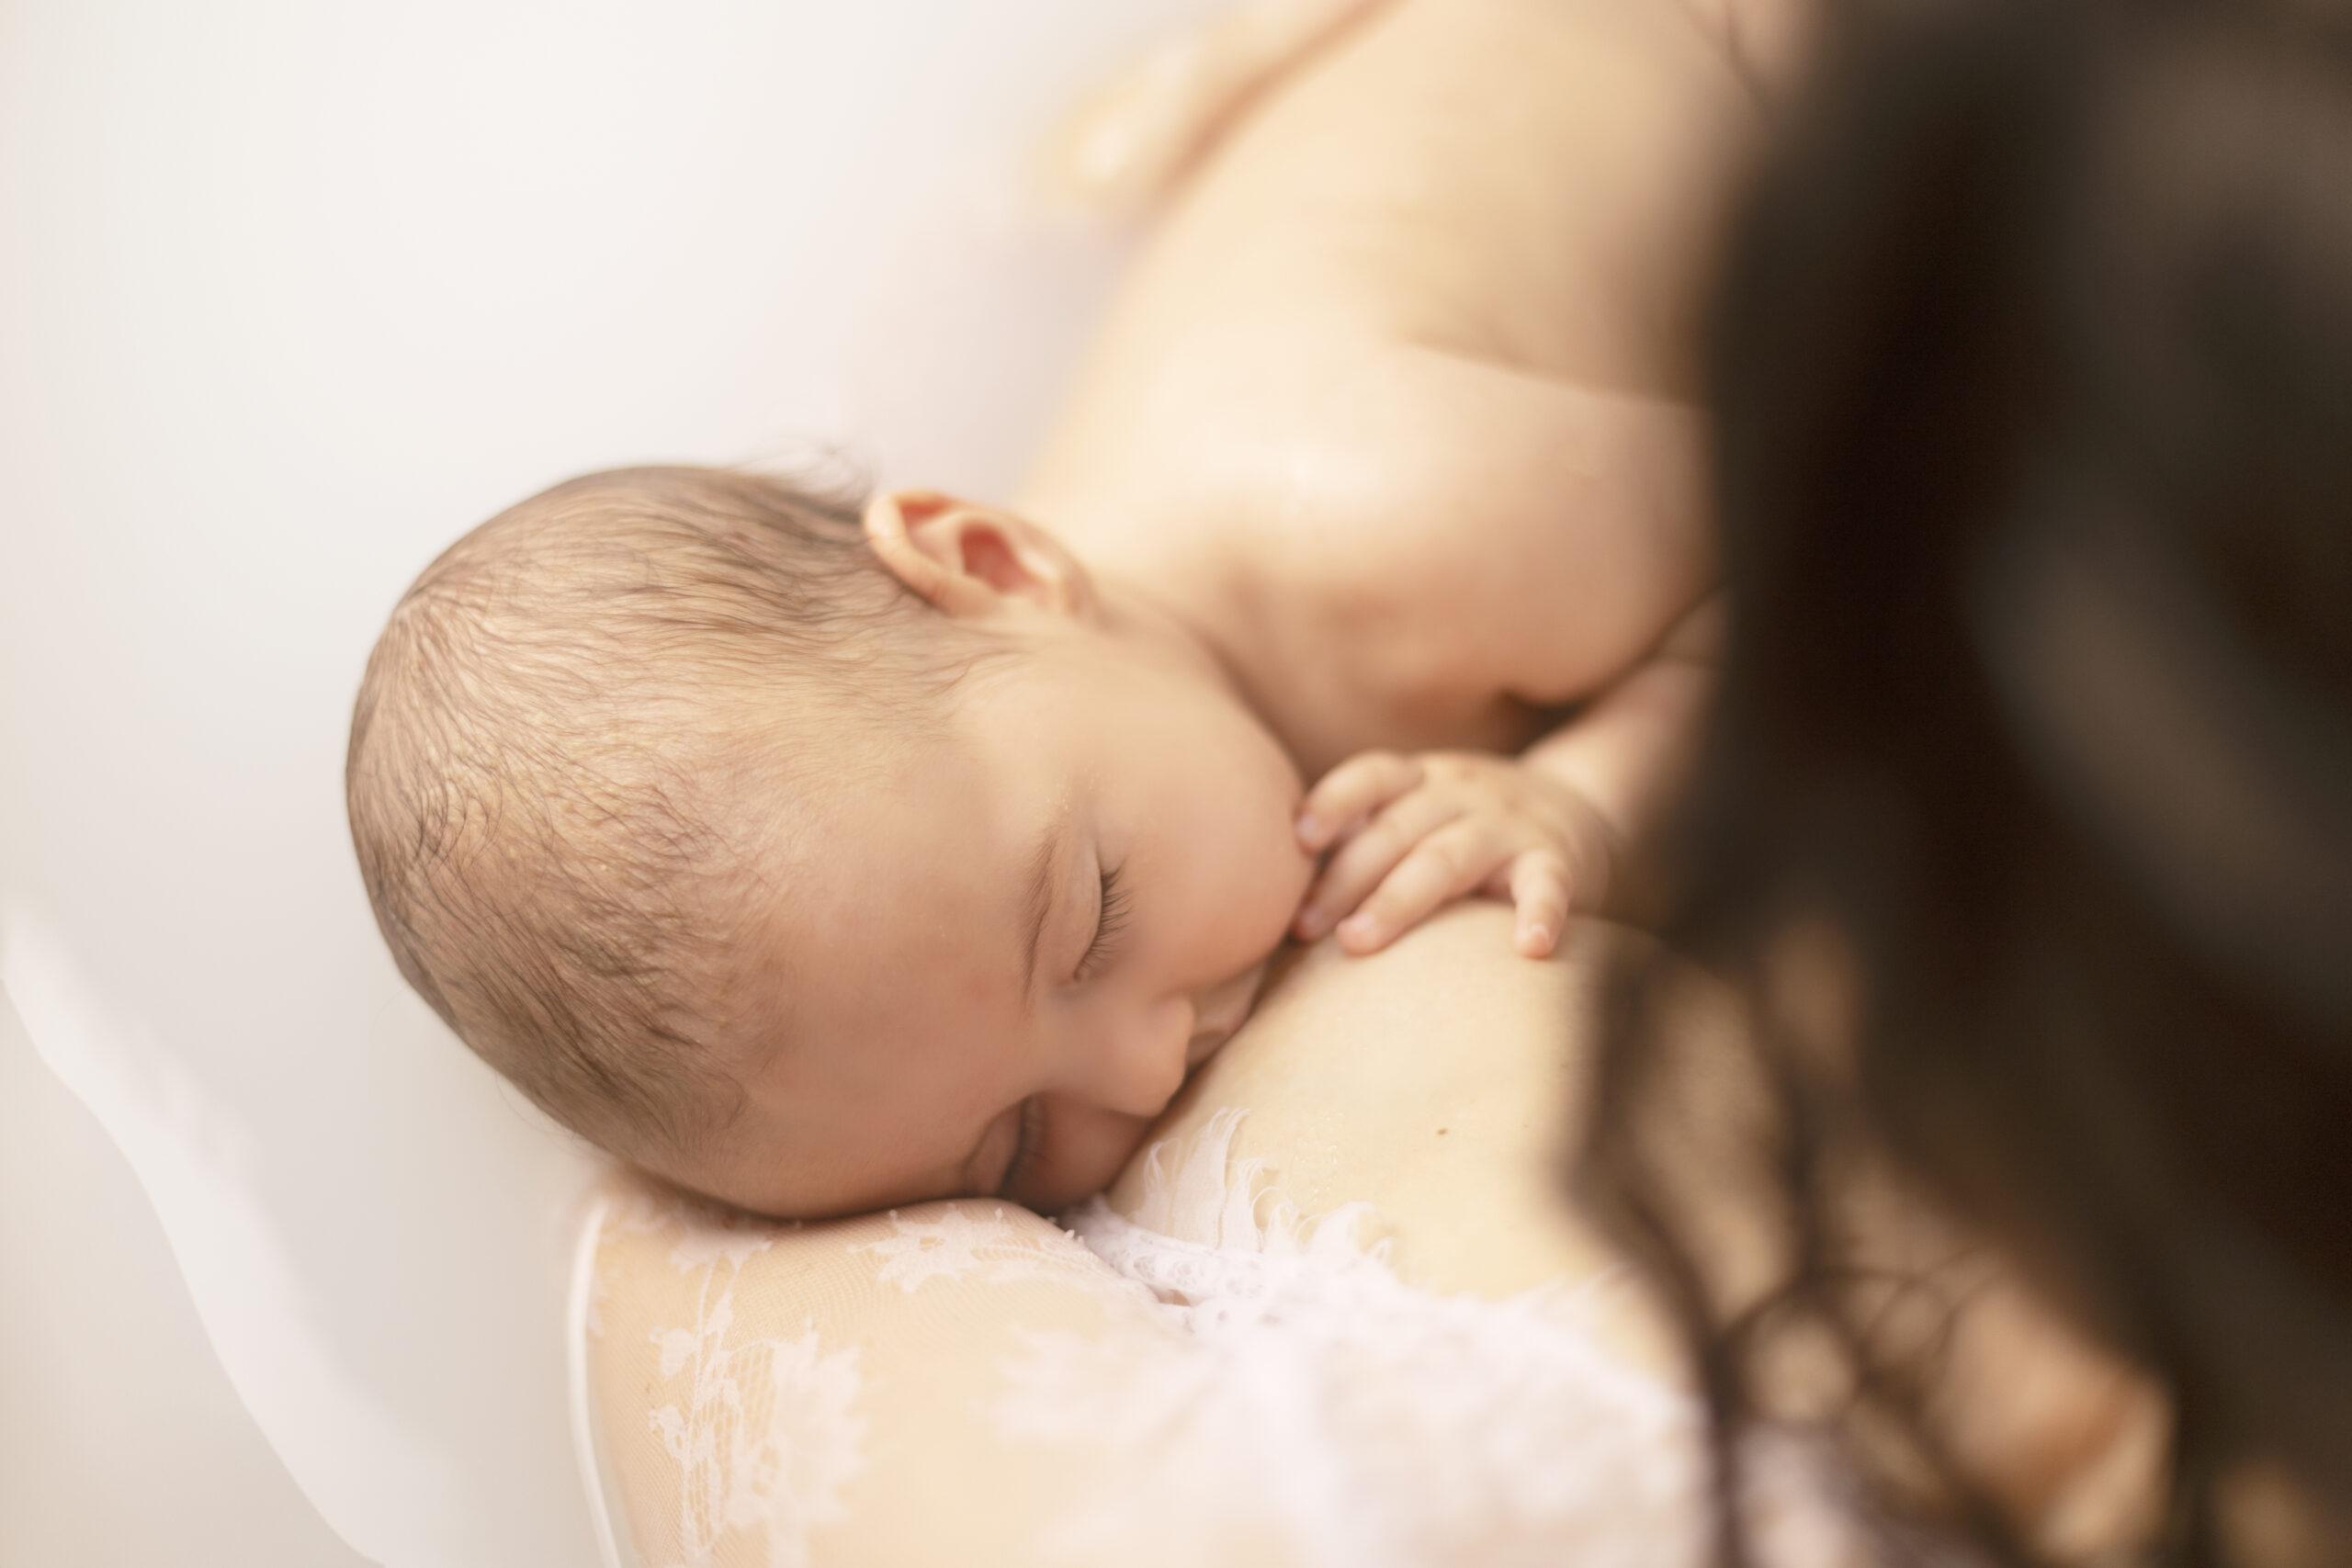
{"type": "Point", "coordinates": [1216, 1378]}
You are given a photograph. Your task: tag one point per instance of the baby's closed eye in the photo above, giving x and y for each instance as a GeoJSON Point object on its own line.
{"type": "Point", "coordinates": [1112, 909]}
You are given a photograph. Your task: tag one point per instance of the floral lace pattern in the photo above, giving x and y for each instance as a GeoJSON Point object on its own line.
{"type": "Point", "coordinates": [953, 1244]}
{"type": "Point", "coordinates": [765, 1429]}
{"type": "Point", "coordinates": [1387, 1425]}
{"type": "Point", "coordinates": [1211, 1368]}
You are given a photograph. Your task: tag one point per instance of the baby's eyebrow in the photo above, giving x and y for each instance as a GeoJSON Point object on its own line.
{"type": "Point", "coordinates": [1040, 904]}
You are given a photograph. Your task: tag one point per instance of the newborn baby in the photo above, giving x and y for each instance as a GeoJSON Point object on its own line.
{"type": "Point", "coordinates": [822, 852]}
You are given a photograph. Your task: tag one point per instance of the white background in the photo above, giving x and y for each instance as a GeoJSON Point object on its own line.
{"type": "Point", "coordinates": [290, 294]}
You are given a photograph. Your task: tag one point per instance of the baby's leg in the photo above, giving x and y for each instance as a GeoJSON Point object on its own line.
{"type": "Point", "coordinates": [1131, 141]}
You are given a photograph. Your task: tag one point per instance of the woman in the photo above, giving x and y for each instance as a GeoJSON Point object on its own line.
{"type": "Point", "coordinates": [1975, 999]}
{"type": "Point", "coordinates": [1304, 1332]}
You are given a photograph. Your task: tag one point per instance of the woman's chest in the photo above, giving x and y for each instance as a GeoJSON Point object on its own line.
{"type": "Point", "coordinates": [1439, 1087]}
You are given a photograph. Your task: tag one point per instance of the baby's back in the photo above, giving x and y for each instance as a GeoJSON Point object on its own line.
{"type": "Point", "coordinates": [1517, 180]}
{"type": "Point", "coordinates": [1426, 309]}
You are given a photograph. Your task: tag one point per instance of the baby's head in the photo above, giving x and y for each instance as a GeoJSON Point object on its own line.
{"type": "Point", "coordinates": [814, 861]}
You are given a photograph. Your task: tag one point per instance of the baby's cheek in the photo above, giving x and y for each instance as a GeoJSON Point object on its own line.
{"type": "Point", "coordinates": [1282, 874]}
{"type": "Point", "coordinates": [972, 973]}
{"type": "Point", "coordinates": [1243, 855]}
{"type": "Point", "coordinates": [1246, 891]}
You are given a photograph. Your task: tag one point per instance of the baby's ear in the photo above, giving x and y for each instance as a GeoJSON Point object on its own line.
{"type": "Point", "coordinates": [974, 560]}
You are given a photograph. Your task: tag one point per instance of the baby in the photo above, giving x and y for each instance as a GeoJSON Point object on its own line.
{"type": "Point", "coordinates": [821, 853]}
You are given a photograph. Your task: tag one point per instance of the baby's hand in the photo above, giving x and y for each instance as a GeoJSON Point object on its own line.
{"type": "Point", "coordinates": [1415, 833]}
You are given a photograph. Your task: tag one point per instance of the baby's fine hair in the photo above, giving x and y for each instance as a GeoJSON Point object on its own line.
{"type": "Point", "coordinates": [569, 742]}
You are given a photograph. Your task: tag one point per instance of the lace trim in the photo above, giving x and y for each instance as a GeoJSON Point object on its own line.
{"type": "Point", "coordinates": [952, 1244]}
{"type": "Point", "coordinates": [1373, 1422]}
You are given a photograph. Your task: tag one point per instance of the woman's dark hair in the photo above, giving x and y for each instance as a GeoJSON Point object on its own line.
{"type": "Point", "coordinates": [2032, 364]}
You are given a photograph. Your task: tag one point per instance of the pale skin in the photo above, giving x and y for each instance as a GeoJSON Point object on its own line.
{"type": "Point", "coordinates": [1407, 364]}
{"type": "Point", "coordinates": [1249, 473]}
{"type": "Point", "coordinates": [1058, 906]}
{"type": "Point", "coordinates": [1443, 1081]}
{"type": "Point", "coordinates": [1407, 367]}
{"type": "Point", "coordinates": [1381, 474]}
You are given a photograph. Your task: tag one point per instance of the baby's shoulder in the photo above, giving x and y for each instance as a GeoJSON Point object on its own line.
{"type": "Point", "coordinates": [1470, 530]}
{"type": "Point", "coordinates": [1399, 544]}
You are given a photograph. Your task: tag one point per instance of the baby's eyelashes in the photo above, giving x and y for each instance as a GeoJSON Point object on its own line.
{"type": "Point", "coordinates": [1112, 909]}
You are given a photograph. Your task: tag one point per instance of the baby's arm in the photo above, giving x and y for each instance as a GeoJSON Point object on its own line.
{"type": "Point", "coordinates": [1552, 830]}
{"type": "Point", "coordinates": [1627, 753]}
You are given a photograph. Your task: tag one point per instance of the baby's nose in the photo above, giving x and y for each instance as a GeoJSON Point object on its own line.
{"type": "Point", "coordinates": [1145, 1069]}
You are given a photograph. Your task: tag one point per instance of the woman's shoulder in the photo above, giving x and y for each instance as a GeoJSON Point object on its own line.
{"type": "Point", "coordinates": [887, 1388]}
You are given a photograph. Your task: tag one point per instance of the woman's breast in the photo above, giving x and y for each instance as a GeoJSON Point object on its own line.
{"type": "Point", "coordinates": [1440, 1084]}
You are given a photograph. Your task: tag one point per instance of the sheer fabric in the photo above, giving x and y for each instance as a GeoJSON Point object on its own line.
{"type": "Point", "coordinates": [1210, 1377]}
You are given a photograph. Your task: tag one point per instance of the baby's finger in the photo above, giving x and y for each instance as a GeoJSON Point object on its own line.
{"type": "Point", "coordinates": [1539, 890]}
{"type": "Point", "coordinates": [1352, 791]}
{"type": "Point", "coordinates": [1442, 867]}
{"type": "Point", "coordinates": [1356, 867]}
